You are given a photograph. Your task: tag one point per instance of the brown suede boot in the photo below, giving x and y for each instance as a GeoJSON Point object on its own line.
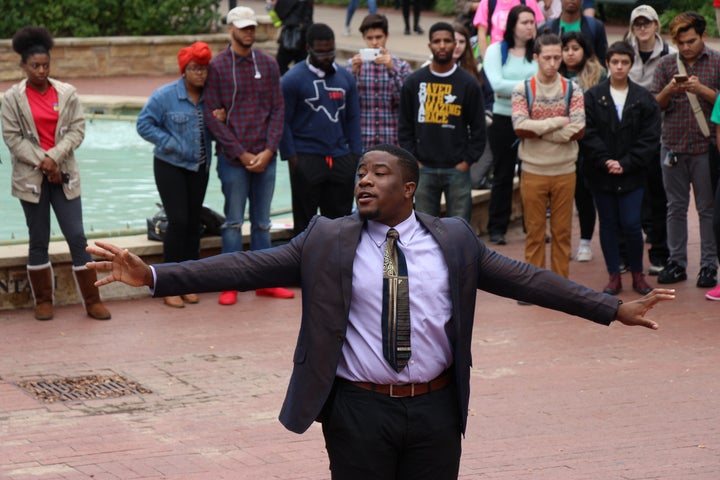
{"type": "Point", "coordinates": [41, 281]}
{"type": "Point", "coordinates": [614, 285]}
{"type": "Point", "coordinates": [85, 280]}
{"type": "Point", "coordinates": [639, 283]}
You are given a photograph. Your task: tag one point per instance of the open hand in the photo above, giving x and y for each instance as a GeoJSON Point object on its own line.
{"type": "Point", "coordinates": [633, 313]}
{"type": "Point", "coordinates": [123, 266]}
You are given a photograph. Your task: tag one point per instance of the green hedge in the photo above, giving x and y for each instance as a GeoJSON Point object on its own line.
{"type": "Point", "coordinates": [700, 6]}
{"type": "Point", "coordinates": [98, 18]}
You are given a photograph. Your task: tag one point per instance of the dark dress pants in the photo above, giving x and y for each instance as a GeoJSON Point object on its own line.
{"type": "Point", "coordinates": [369, 435]}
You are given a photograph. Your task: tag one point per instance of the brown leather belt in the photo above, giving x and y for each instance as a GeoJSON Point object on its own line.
{"type": "Point", "coordinates": [404, 390]}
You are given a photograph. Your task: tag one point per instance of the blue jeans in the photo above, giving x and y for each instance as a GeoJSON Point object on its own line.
{"type": "Point", "coordinates": [69, 217]}
{"type": "Point", "coordinates": [354, 4]}
{"type": "Point", "coordinates": [239, 185]}
{"type": "Point", "coordinates": [451, 181]}
{"type": "Point", "coordinates": [625, 210]}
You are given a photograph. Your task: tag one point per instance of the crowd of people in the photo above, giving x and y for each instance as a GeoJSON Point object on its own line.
{"type": "Point", "coordinates": [582, 123]}
{"type": "Point", "coordinates": [550, 129]}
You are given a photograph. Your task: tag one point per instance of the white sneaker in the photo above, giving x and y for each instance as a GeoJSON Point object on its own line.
{"type": "Point", "coordinates": [584, 253]}
{"type": "Point", "coordinates": [346, 31]}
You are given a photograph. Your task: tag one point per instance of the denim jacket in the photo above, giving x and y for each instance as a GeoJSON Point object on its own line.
{"type": "Point", "coordinates": [169, 120]}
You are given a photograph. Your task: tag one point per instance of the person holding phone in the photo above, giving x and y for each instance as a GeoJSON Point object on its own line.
{"type": "Point", "coordinates": [379, 76]}
{"type": "Point", "coordinates": [690, 76]}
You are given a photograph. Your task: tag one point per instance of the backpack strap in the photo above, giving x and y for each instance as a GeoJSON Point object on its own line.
{"type": "Point", "coordinates": [530, 93]}
{"type": "Point", "coordinates": [504, 51]}
{"type": "Point", "coordinates": [530, 88]}
{"type": "Point", "coordinates": [568, 93]}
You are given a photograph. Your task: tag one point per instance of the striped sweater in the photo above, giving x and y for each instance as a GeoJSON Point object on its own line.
{"type": "Point", "coordinates": [549, 139]}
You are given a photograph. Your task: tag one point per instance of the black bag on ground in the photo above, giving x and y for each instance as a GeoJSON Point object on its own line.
{"type": "Point", "coordinates": [210, 223]}
{"type": "Point", "coordinates": [157, 225]}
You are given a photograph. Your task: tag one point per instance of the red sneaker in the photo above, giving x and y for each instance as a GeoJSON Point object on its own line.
{"type": "Point", "coordinates": [276, 292]}
{"type": "Point", "coordinates": [228, 298]}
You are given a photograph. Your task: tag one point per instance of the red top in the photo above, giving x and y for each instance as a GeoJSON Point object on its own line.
{"type": "Point", "coordinates": [45, 110]}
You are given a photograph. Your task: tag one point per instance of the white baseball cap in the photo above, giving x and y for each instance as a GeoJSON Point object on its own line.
{"type": "Point", "coordinates": [242, 17]}
{"type": "Point", "coordinates": [645, 11]}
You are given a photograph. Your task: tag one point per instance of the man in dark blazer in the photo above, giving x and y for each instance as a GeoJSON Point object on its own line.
{"type": "Point", "coordinates": [381, 423]}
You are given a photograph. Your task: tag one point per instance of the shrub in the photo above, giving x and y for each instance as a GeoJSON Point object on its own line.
{"type": "Point", "coordinates": [702, 7]}
{"type": "Point", "coordinates": [90, 18]}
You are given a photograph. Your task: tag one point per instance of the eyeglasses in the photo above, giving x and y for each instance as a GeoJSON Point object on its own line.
{"type": "Point", "coordinates": [198, 69]}
{"type": "Point", "coordinates": [642, 25]}
{"type": "Point", "coordinates": [317, 54]}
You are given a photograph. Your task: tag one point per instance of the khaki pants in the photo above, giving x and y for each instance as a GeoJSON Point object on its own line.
{"type": "Point", "coordinates": [538, 192]}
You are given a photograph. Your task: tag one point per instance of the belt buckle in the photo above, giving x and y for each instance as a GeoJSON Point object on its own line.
{"type": "Point", "coordinates": [412, 390]}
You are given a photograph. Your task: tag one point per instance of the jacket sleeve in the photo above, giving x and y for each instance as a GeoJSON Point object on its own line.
{"type": "Point", "coordinates": [510, 278]}
{"type": "Point", "coordinates": [70, 129]}
{"type": "Point", "coordinates": [24, 149]}
{"type": "Point", "coordinates": [594, 149]}
{"type": "Point", "coordinates": [150, 122]}
{"type": "Point", "coordinates": [647, 135]}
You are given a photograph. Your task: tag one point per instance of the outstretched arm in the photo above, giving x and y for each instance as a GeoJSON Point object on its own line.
{"type": "Point", "coordinates": [123, 266]}
{"type": "Point", "coordinates": [633, 313]}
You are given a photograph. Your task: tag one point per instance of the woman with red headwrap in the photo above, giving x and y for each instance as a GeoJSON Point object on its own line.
{"type": "Point", "coordinates": [172, 120]}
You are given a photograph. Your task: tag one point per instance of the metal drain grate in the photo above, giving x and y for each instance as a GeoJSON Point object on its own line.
{"type": "Point", "coordinates": [88, 387]}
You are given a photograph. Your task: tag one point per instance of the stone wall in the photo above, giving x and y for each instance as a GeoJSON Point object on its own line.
{"type": "Point", "coordinates": [123, 56]}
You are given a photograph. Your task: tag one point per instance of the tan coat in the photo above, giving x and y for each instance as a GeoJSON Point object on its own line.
{"type": "Point", "coordinates": [21, 136]}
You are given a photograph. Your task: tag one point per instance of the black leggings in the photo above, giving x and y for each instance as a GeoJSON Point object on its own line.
{"type": "Point", "coordinates": [182, 193]}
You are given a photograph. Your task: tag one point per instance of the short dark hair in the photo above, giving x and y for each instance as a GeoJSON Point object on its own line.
{"type": "Point", "coordinates": [407, 161]}
{"type": "Point", "coordinates": [544, 40]}
{"type": "Point", "coordinates": [687, 21]}
{"type": "Point", "coordinates": [439, 27]}
{"type": "Point", "coordinates": [318, 31]}
{"type": "Point", "coordinates": [31, 40]}
{"type": "Point", "coordinates": [374, 20]}
{"type": "Point", "coordinates": [620, 48]}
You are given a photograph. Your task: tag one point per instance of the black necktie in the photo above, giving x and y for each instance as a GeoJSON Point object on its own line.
{"type": "Point", "coordinates": [396, 304]}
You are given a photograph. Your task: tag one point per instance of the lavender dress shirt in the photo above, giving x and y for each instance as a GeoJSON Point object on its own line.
{"type": "Point", "coordinates": [430, 308]}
